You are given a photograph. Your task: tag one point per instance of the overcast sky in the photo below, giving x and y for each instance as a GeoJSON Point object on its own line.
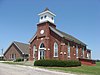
{"type": "Point", "coordinates": [79, 18]}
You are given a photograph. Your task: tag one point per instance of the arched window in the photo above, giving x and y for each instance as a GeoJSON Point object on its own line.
{"type": "Point", "coordinates": [45, 16]}
{"type": "Point", "coordinates": [76, 51]}
{"type": "Point", "coordinates": [34, 49]}
{"type": "Point", "coordinates": [68, 49]}
{"type": "Point", "coordinates": [52, 18]}
{"type": "Point", "coordinates": [41, 52]}
{"type": "Point", "coordinates": [41, 17]}
{"type": "Point", "coordinates": [42, 45]}
{"type": "Point", "coordinates": [55, 49]}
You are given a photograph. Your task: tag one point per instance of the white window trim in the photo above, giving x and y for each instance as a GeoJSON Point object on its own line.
{"type": "Point", "coordinates": [55, 48]}
{"type": "Point", "coordinates": [76, 51]}
{"type": "Point", "coordinates": [88, 56]}
{"type": "Point", "coordinates": [68, 50]}
{"type": "Point", "coordinates": [39, 50]}
{"type": "Point", "coordinates": [34, 49]}
{"type": "Point", "coordinates": [83, 51]}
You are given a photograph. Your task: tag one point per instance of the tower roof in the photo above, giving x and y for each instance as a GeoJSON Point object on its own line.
{"type": "Point", "coordinates": [46, 9]}
{"type": "Point", "coordinates": [46, 15]}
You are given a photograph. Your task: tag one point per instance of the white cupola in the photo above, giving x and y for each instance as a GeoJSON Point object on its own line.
{"type": "Point", "coordinates": [46, 15]}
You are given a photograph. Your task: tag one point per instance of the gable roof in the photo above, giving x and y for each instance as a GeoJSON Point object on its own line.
{"type": "Point", "coordinates": [32, 38]}
{"type": "Point", "coordinates": [24, 48]}
{"type": "Point", "coordinates": [63, 35]}
{"type": "Point", "coordinates": [67, 36]}
{"type": "Point", "coordinates": [47, 11]}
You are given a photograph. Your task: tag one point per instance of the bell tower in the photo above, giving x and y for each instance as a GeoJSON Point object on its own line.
{"type": "Point", "coordinates": [46, 20]}
{"type": "Point", "coordinates": [46, 15]}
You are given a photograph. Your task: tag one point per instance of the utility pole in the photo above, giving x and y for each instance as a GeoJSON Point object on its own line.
{"type": "Point", "coordinates": [1, 54]}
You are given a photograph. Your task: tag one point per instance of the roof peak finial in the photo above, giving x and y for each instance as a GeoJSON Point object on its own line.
{"type": "Point", "coordinates": [46, 9]}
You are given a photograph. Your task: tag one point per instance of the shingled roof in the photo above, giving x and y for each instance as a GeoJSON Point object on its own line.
{"type": "Point", "coordinates": [67, 36]}
{"type": "Point", "coordinates": [63, 35]}
{"type": "Point", "coordinates": [24, 48]}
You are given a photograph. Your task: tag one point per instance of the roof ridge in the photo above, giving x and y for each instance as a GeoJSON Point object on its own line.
{"type": "Point", "coordinates": [72, 36]}
{"type": "Point", "coordinates": [20, 42]}
{"type": "Point", "coordinates": [68, 36]}
{"type": "Point", "coordinates": [21, 46]}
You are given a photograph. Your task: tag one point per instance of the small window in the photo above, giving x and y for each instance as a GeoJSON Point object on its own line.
{"type": "Point", "coordinates": [12, 56]}
{"type": "Point", "coordinates": [45, 16]}
{"type": "Point", "coordinates": [88, 55]}
{"type": "Point", "coordinates": [42, 17]}
{"type": "Point", "coordinates": [34, 49]}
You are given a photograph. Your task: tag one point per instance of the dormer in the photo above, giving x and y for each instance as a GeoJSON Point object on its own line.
{"type": "Point", "coordinates": [46, 15]}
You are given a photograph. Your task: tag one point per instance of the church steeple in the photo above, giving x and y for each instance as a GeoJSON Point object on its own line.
{"type": "Point", "coordinates": [46, 15]}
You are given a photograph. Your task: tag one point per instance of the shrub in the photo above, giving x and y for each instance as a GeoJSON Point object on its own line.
{"type": "Point", "coordinates": [2, 59]}
{"type": "Point", "coordinates": [97, 60]}
{"type": "Point", "coordinates": [19, 60]}
{"type": "Point", "coordinates": [57, 63]}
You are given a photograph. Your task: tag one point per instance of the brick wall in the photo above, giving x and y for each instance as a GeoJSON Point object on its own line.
{"type": "Point", "coordinates": [12, 50]}
{"type": "Point", "coordinates": [48, 38]}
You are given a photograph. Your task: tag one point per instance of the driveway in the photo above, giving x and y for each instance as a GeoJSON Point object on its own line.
{"type": "Point", "coordinates": [6, 69]}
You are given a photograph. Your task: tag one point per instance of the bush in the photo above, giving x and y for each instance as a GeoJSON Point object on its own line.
{"type": "Point", "coordinates": [57, 63]}
{"type": "Point", "coordinates": [97, 60]}
{"type": "Point", "coordinates": [2, 59]}
{"type": "Point", "coordinates": [19, 60]}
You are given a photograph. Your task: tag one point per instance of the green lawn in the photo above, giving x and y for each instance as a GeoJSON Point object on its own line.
{"type": "Point", "coordinates": [19, 63]}
{"type": "Point", "coordinates": [88, 70]}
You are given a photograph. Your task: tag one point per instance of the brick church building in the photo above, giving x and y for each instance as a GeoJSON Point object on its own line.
{"type": "Point", "coordinates": [51, 43]}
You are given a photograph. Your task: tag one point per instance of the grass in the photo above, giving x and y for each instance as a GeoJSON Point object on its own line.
{"type": "Point", "coordinates": [87, 70]}
{"type": "Point", "coordinates": [19, 63]}
{"type": "Point", "coordinates": [82, 70]}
